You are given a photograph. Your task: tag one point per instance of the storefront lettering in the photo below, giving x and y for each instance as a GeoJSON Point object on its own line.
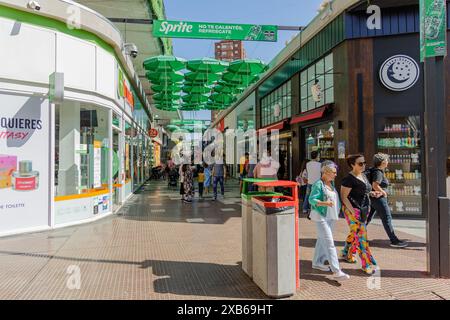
{"type": "Point", "coordinates": [12, 206]}
{"type": "Point", "coordinates": [14, 135]}
{"type": "Point", "coordinates": [20, 123]}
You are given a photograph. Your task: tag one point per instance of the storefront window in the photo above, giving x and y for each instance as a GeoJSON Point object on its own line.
{"type": "Point", "coordinates": [399, 137]}
{"type": "Point", "coordinates": [128, 151]}
{"type": "Point", "coordinates": [321, 71]}
{"type": "Point", "coordinates": [277, 105]}
{"type": "Point", "coordinates": [320, 138]}
{"type": "Point", "coordinates": [82, 149]}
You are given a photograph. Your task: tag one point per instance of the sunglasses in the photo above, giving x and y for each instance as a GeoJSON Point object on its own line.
{"type": "Point", "coordinates": [361, 164]}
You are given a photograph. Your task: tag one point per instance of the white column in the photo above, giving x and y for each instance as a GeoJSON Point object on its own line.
{"type": "Point", "coordinates": [69, 177]}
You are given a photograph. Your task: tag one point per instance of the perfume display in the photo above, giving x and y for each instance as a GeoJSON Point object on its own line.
{"type": "Point", "coordinates": [399, 137]}
{"type": "Point", "coordinates": [25, 179]}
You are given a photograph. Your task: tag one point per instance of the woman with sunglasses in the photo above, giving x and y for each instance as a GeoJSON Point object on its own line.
{"type": "Point", "coordinates": [325, 207]}
{"type": "Point", "coordinates": [355, 194]}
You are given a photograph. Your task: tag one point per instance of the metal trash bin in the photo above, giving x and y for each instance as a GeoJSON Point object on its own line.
{"type": "Point", "coordinates": [247, 225]}
{"type": "Point", "coordinates": [273, 240]}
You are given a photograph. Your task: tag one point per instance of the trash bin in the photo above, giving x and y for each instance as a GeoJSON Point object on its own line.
{"type": "Point", "coordinates": [275, 241]}
{"type": "Point", "coordinates": [274, 245]}
{"type": "Point", "coordinates": [246, 196]}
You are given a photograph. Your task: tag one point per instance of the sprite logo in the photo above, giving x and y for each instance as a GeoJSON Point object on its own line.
{"type": "Point", "coordinates": [167, 27]}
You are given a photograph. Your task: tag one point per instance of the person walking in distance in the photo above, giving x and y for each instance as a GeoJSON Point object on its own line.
{"type": "Point", "coordinates": [219, 173]}
{"type": "Point", "coordinates": [201, 181]}
{"type": "Point", "coordinates": [313, 175]}
{"type": "Point", "coordinates": [355, 194]}
{"type": "Point", "coordinates": [325, 208]}
{"type": "Point", "coordinates": [380, 205]}
{"type": "Point", "coordinates": [207, 173]}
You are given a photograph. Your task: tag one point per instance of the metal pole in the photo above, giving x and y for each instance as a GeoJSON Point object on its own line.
{"type": "Point", "coordinates": [435, 155]}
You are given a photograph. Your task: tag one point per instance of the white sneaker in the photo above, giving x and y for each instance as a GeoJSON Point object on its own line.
{"type": "Point", "coordinates": [339, 276]}
{"type": "Point", "coordinates": [321, 267]}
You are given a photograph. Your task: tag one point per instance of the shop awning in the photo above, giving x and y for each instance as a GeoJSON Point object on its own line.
{"type": "Point", "coordinates": [276, 126]}
{"type": "Point", "coordinates": [310, 115]}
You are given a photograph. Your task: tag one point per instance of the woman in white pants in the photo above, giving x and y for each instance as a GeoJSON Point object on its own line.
{"type": "Point", "coordinates": [325, 207]}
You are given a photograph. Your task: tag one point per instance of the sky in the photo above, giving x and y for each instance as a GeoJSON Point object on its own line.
{"type": "Point", "coordinates": [275, 12]}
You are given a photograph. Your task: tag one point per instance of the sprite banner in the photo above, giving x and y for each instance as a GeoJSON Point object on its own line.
{"type": "Point", "coordinates": [207, 30]}
{"type": "Point", "coordinates": [433, 28]}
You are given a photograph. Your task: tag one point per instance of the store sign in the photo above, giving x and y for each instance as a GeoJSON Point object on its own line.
{"type": "Point", "coordinates": [433, 28]}
{"type": "Point", "coordinates": [153, 133]}
{"type": "Point", "coordinates": [24, 162]}
{"type": "Point", "coordinates": [124, 89]}
{"type": "Point", "coordinates": [399, 73]}
{"type": "Point", "coordinates": [207, 30]}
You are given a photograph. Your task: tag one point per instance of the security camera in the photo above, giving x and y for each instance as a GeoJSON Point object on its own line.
{"type": "Point", "coordinates": [131, 49]}
{"type": "Point", "coordinates": [34, 5]}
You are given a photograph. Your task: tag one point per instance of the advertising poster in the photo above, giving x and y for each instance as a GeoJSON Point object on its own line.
{"type": "Point", "coordinates": [24, 162]}
{"type": "Point", "coordinates": [97, 164]}
{"type": "Point", "coordinates": [433, 28]}
{"type": "Point", "coordinates": [208, 30]}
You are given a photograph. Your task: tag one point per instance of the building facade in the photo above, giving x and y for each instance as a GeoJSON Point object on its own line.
{"type": "Point", "coordinates": [77, 155]}
{"type": "Point", "coordinates": [229, 50]}
{"type": "Point", "coordinates": [370, 97]}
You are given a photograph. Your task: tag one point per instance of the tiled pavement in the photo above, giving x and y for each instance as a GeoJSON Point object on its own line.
{"type": "Point", "coordinates": [160, 248]}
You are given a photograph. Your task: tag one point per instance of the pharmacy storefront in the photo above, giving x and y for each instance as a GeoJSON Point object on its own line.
{"type": "Point", "coordinates": [66, 161]}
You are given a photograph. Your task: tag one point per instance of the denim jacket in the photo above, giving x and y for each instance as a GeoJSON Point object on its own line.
{"type": "Point", "coordinates": [318, 194]}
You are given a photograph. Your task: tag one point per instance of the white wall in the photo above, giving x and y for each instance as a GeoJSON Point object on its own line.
{"type": "Point", "coordinates": [30, 54]}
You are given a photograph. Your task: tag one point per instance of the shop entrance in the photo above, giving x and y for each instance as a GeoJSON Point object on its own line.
{"type": "Point", "coordinates": [285, 158]}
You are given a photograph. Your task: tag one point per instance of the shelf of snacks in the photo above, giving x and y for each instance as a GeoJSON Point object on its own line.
{"type": "Point", "coordinates": [399, 137]}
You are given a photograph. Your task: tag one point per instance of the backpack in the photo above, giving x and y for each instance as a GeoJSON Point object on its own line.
{"type": "Point", "coordinates": [369, 174]}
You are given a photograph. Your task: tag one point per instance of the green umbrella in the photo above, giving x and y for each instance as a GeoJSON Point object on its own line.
{"type": "Point", "coordinates": [193, 107]}
{"type": "Point", "coordinates": [247, 66]}
{"type": "Point", "coordinates": [228, 90]}
{"type": "Point", "coordinates": [172, 127]}
{"type": "Point", "coordinates": [207, 65]}
{"type": "Point", "coordinates": [222, 98]}
{"type": "Point", "coordinates": [215, 106]}
{"type": "Point", "coordinates": [197, 89]}
{"type": "Point", "coordinates": [169, 88]}
{"type": "Point", "coordinates": [164, 63]}
{"type": "Point", "coordinates": [166, 96]}
{"type": "Point", "coordinates": [195, 98]}
{"type": "Point", "coordinates": [231, 76]}
{"type": "Point", "coordinates": [160, 78]}
{"type": "Point", "coordinates": [201, 77]}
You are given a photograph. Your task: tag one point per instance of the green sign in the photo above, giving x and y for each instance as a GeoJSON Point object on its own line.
{"type": "Point", "coordinates": [433, 27]}
{"type": "Point", "coordinates": [207, 30]}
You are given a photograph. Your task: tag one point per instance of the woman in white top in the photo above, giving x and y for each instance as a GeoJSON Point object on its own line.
{"type": "Point", "coordinates": [325, 207]}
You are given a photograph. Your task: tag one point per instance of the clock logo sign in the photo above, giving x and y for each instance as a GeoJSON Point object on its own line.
{"type": "Point", "coordinates": [399, 73]}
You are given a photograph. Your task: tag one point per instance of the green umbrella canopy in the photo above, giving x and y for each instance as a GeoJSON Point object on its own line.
{"type": "Point", "coordinates": [195, 98]}
{"type": "Point", "coordinates": [247, 66]}
{"type": "Point", "coordinates": [192, 107]}
{"type": "Point", "coordinates": [169, 88]}
{"type": "Point", "coordinates": [222, 98]}
{"type": "Point", "coordinates": [231, 76]}
{"type": "Point", "coordinates": [160, 78]}
{"type": "Point", "coordinates": [197, 89]}
{"type": "Point", "coordinates": [215, 106]}
{"type": "Point", "coordinates": [164, 63]}
{"type": "Point", "coordinates": [206, 65]}
{"type": "Point", "coordinates": [228, 90]}
{"type": "Point", "coordinates": [166, 96]}
{"type": "Point", "coordinates": [172, 127]}
{"type": "Point", "coordinates": [201, 77]}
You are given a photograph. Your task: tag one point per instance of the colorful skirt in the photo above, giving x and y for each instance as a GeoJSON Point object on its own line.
{"type": "Point", "coordinates": [357, 243]}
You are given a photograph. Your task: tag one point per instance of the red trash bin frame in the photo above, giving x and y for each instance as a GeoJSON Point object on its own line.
{"type": "Point", "coordinates": [295, 202]}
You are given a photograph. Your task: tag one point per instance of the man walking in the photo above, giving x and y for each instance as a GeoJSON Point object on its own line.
{"type": "Point", "coordinates": [219, 173]}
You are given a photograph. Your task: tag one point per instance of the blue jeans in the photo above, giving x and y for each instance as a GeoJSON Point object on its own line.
{"type": "Point", "coordinates": [325, 249]}
{"type": "Point", "coordinates": [306, 206]}
{"type": "Point", "coordinates": [222, 188]}
{"type": "Point", "coordinates": [381, 207]}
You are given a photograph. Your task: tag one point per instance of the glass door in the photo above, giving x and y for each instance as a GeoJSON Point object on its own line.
{"type": "Point", "coordinates": [399, 137]}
